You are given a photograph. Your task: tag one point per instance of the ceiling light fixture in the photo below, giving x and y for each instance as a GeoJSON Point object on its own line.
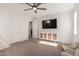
{"type": "Point", "coordinates": [34, 8]}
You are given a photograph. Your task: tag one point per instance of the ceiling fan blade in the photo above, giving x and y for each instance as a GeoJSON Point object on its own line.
{"type": "Point", "coordinates": [28, 9]}
{"type": "Point", "coordinates": [29, 4]}
{"type": "Point", "coordinates": [42, 8]}
{"type": "Point", "coordinates": [38, 4]}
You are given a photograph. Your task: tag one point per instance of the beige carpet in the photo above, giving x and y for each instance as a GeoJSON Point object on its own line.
{"type": "Point", "coordinates": [31, 48]}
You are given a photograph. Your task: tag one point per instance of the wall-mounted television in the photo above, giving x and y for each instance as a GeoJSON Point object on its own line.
{"type": "Point", "coordinates": [49, 24]}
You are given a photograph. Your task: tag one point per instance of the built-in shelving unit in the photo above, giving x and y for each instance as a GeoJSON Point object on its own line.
{"type": "Point", "coordinates": [48, 36]}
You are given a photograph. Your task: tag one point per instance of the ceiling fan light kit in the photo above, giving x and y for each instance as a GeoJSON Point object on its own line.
{"type": "Point", "coordinates": [34, 8]}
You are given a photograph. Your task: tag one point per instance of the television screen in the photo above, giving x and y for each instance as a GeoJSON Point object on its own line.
{"type": "Point", "coordinates": [49, 24]}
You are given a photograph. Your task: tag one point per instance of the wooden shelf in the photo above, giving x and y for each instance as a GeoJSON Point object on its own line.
{"type": "Point", "coordinates": [41, 35]}
{"type": "Point", "coordinates": [45, 35]}
{"type": "Point", "coordinates": [49, 36]}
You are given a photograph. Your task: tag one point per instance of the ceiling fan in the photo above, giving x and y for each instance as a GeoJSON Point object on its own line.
{"type": "Point", "coordinates": [34, 6]}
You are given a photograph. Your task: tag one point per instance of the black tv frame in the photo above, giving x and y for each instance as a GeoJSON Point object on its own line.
{"type": "Point", "coordinates": [51, 25]}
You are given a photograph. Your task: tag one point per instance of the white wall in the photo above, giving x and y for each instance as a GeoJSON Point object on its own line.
{"type": "Point", "coordinates": [35, 27]}
{"type": "Point", "coordinates": [19, 27]}
{"type": "Point", "coordinates": [4, 22]}
{"type": "Point", "coordinates": [76, 37]}
{"type": "Point", "coordinates": [13, 26]}
{"type": "Point", "coordinates": [78, 27]}
{"type": "Point", "coordinates": [64, 26]}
